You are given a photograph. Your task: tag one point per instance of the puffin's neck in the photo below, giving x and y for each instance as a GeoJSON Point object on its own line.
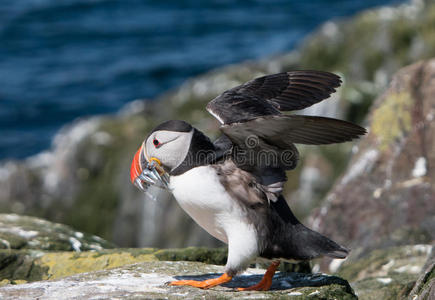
{"type": "Point", "coordinates": [201, 152]}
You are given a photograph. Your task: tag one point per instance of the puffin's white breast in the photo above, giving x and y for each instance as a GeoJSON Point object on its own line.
{"type": "Point", "coordinates": [201, 194]}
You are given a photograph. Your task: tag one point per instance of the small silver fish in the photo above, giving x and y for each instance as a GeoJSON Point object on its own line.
{"type": "Point", "coordinates": [151, 176]}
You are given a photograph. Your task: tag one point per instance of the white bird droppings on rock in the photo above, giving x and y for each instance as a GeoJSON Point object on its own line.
{"type": "Point", "coordinates": [408, 269]}
{"type": "Point", "coordinates": [419, 167]}
{"type": "Point", "coordinates": [26, 234]}
{"type": "Point", "coordinates": [294, 294]}
{"type": "Point", "coordinates": [314, 293]}
{"type": "Point", "coordinates": [384, 280]}
{"type": "Point", "coordinates": [75, 244]}
{"type": "Point", "coordinates": [78, 234]}
{"type": "Point", "coordinates": [423, 248]}
{"type": "Point", "coordinates": [377, 193]}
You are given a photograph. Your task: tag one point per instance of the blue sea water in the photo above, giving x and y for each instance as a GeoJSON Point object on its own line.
{"type": "Point", "coordinates": [63, 59]}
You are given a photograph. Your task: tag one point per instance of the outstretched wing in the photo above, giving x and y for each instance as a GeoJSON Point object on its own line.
{"type": "Point", "coordinates": [268, 95]}
{"type": "Point", "coordinates": [266, 144]}
{"type": "Point", "coordinates": [262, 138]}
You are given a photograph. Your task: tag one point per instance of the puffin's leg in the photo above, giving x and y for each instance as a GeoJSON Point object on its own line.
{"type": "Point", "coordinates": [204, 284]}
{"type": "Point", "coordinates": [266, 281]}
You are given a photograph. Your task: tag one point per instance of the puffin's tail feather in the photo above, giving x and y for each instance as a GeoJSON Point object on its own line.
{"type": "Point", "coordinates": [293, 240]}
{"type": "Point", "coordinates": [342, 253]}
{"type": "Point", "coordinates": [311, 244]}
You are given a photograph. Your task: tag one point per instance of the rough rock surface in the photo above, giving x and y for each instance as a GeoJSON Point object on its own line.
{"type": "Point", "coordinates": [23, 232]}
{"type": "Point", "coordinates": [83, 180]}
{"type": "Point", "coordinates": [388, 273]}
{"type": "Point", "coordinates": [148, 280]}
{"type": "Point", "coordinates": [387, 195]}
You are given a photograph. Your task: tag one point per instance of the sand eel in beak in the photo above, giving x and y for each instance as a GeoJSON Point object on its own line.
{"type": "Point", "coordinates": [145, 172]}
{"type": "Point", "coordinates": [233, 187]}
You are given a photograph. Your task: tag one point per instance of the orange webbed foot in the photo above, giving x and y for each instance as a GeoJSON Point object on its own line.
{"type": "Point", "coordinates": [266, 282]}
{"type": "Point", "coordinates": [206, 284]}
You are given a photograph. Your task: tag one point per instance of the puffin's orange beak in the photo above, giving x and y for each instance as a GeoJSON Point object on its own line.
{"type": "Point", "coordinates": [136, 168]}
{"type": "Point", "coordinates": [152, 174]}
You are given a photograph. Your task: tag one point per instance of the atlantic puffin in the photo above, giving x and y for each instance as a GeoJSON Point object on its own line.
{"type": "Point", "coordinates": [232, 187]}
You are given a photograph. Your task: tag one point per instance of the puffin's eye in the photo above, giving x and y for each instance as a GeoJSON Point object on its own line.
{"type": "Point", "coordinates": [156, 143]}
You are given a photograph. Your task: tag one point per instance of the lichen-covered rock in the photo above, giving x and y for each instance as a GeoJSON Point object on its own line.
{"type": "Point", "coordinates": [386, 262]}
{"type": "Point", "coordinates": [29, 265]}
{"type": "Point", "coordinates": [396, 287]}
{"type": "Point", "coordinates": [23, 232]}
{"type": "Point", "coordinates": [387, 195]}
{"type": "Point", "coordinates": [149, 280]}
{"type": "Point", "coordinates": [32, 265]}
{"type": "Point", "coordinates": [388, 273]}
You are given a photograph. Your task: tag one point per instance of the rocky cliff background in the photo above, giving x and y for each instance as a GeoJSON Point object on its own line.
{"type": "Point", "coordinates": [375, 195]}
{"type": "Point", "coordinates": [83, 181]}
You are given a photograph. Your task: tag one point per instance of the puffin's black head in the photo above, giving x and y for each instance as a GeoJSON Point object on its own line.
{"type": "Point", "coordinates": [175, 146]}
{"type": "Point", "coordinates": [168, 145]}
{"type": "Point", "coordinates": [173, 125]}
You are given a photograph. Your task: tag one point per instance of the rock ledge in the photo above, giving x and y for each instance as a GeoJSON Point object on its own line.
{"type": "Point", "coordinates": [149, 280]}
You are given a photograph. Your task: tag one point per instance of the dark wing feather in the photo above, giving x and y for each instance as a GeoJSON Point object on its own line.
{"type": "Point", "coordinates": [293, 90]}
{"type": "Point", "coordinates": [268, 95]}
{"type": "Point", "coordinates": [233, 106]}
{"type": "Point", "coordinates": [285, 130]}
